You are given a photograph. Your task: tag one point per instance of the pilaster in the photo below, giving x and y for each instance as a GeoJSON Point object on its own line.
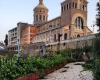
{"type": "Point", "coordinates": [85, 32]}
{"type": "Point", "coordinates": [71, 31]}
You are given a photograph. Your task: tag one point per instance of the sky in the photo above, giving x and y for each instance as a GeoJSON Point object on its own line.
{"type": "Point", "coordinates": [14, 11]}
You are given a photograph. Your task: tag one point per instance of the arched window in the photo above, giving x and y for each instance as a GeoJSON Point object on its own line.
{"type": "Point", "coordinates": [79, 23]}
{"type": "Point", "coordinates": [65, 36]}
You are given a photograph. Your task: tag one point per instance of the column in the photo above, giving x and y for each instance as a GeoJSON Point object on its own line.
{"type": "Point", "coordinates": [60, 33]}
{"type": "Point", "coordinates": [46, 18]}
{"type": "Point", "coordinates": [34, 17]}
{"type": "Point", "coordinates": [42, 17]}
{"type": "Point", "coordinates": [80, 24]}
{"type": "Point", "coordinates": [68, 34]}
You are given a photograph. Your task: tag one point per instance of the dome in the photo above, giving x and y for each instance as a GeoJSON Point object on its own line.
{"type": "Point", "coordinates": [41, 5]}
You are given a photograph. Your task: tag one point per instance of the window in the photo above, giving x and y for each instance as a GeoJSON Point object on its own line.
{"type": "Point", "coordinates": [55, 37]}
{"type": "Point", "coordinates": [79, 23]}
{"type": "Point", "coordinates": [33, 28]}
{"type": "Point", "coordinates": [44, 18]}
{"type": "Point", "coordinates": [36, 17]}
{"type": "Point", "coordinates": [75, 5]}
{"type": "Point", "coordinates": [15, 33]}
{"type": "Point", "coordinates": [65, 36]}
{"type": "Point", "coordinates": [62, 9]}
{"type": "Point", "coordinates": [50, 25]}
{"type": "Point", "coordinates": [40, 17]}
{"type": "Point", "coordinates": [69, 5]}
{"type": "Point", "coordinates": [57, 24]}
{"type": "Point", "coordinates": [83, 7]}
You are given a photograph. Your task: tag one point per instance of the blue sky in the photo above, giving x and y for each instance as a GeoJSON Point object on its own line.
{"type": "Point", "coordinates": [14, 11]}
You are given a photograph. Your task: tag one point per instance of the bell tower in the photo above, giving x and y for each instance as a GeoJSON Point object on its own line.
{"type": "Point", "coordinates": [74, 15]}
{"type": "Point", "coordinates": [70, 7]}
{"type": "Point", "coordinates": [40, 13]}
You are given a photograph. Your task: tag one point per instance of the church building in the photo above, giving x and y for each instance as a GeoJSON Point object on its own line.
{"type": "Point", "coordinates": [72, 22]}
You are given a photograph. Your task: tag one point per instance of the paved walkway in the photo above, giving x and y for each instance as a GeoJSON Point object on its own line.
{"type": "Point", "coordinates": [70, 72]}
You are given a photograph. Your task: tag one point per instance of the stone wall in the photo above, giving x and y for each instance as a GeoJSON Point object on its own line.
{"type": "Point", "coordinates": [32, 49]}
{"type": "Point", "coordinates": [71, 43]}
{"type": "Point", "coordinates": [29, 49]}
{"type": "Point", "coordinates": [35, 48]}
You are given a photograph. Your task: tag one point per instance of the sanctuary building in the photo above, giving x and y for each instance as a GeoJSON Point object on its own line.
{"type": "Point", "coordinates": [72, 23]}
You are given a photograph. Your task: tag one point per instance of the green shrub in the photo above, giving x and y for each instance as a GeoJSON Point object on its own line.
{"type": "Point", "coordinates": [96, 48]}
{"type": "Point", "coordinates": [42, 74]}
{"type": "Point", "coordinates": [96, 69]}
{"type": "Point", "coordinates": [66, 52]}
{"type": "Point", "coordinates": [89, 61]}
{"type": "Point", "coordinates": [87, 49]}
{"type": "Point", "coordinates": [87, 66]}
{"type": "Point", "coordinates": [11, 68]}
{"type": "Point", "coordinates": [69, 59]}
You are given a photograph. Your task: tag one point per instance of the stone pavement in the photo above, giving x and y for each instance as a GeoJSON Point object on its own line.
{"type": "Point", "coordinates": [70, 72]}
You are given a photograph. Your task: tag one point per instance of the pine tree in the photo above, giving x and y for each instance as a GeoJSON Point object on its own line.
{"type": "Point", "coordinates": [98, 16]}
{"type": "Point", "coordinates": [6, 40]}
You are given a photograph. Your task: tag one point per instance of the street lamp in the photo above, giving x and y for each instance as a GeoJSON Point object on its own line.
{"type": "Point", "coordinates": [93, 25]}
{"type": "Point", "coordinates": [59, 35]}
{"type": "Point", "coordinates": [50, 37]}
{"type": "Point", "coordinates": [18, 50]}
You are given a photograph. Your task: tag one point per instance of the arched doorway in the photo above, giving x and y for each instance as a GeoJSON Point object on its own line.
{"type": "Point", "coordinates": [65, 36]}
{"type": "Point", "coordinates": [78, 35]}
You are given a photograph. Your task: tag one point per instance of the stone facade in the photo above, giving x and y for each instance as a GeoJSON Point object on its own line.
{"type": "Point", "coordinates": [71, 24]}
{"type": "Point", "coordinates": [15, 34]}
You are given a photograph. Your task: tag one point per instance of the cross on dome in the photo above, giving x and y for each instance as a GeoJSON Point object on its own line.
{"type": "Point", "coordinates": [40, 1]}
